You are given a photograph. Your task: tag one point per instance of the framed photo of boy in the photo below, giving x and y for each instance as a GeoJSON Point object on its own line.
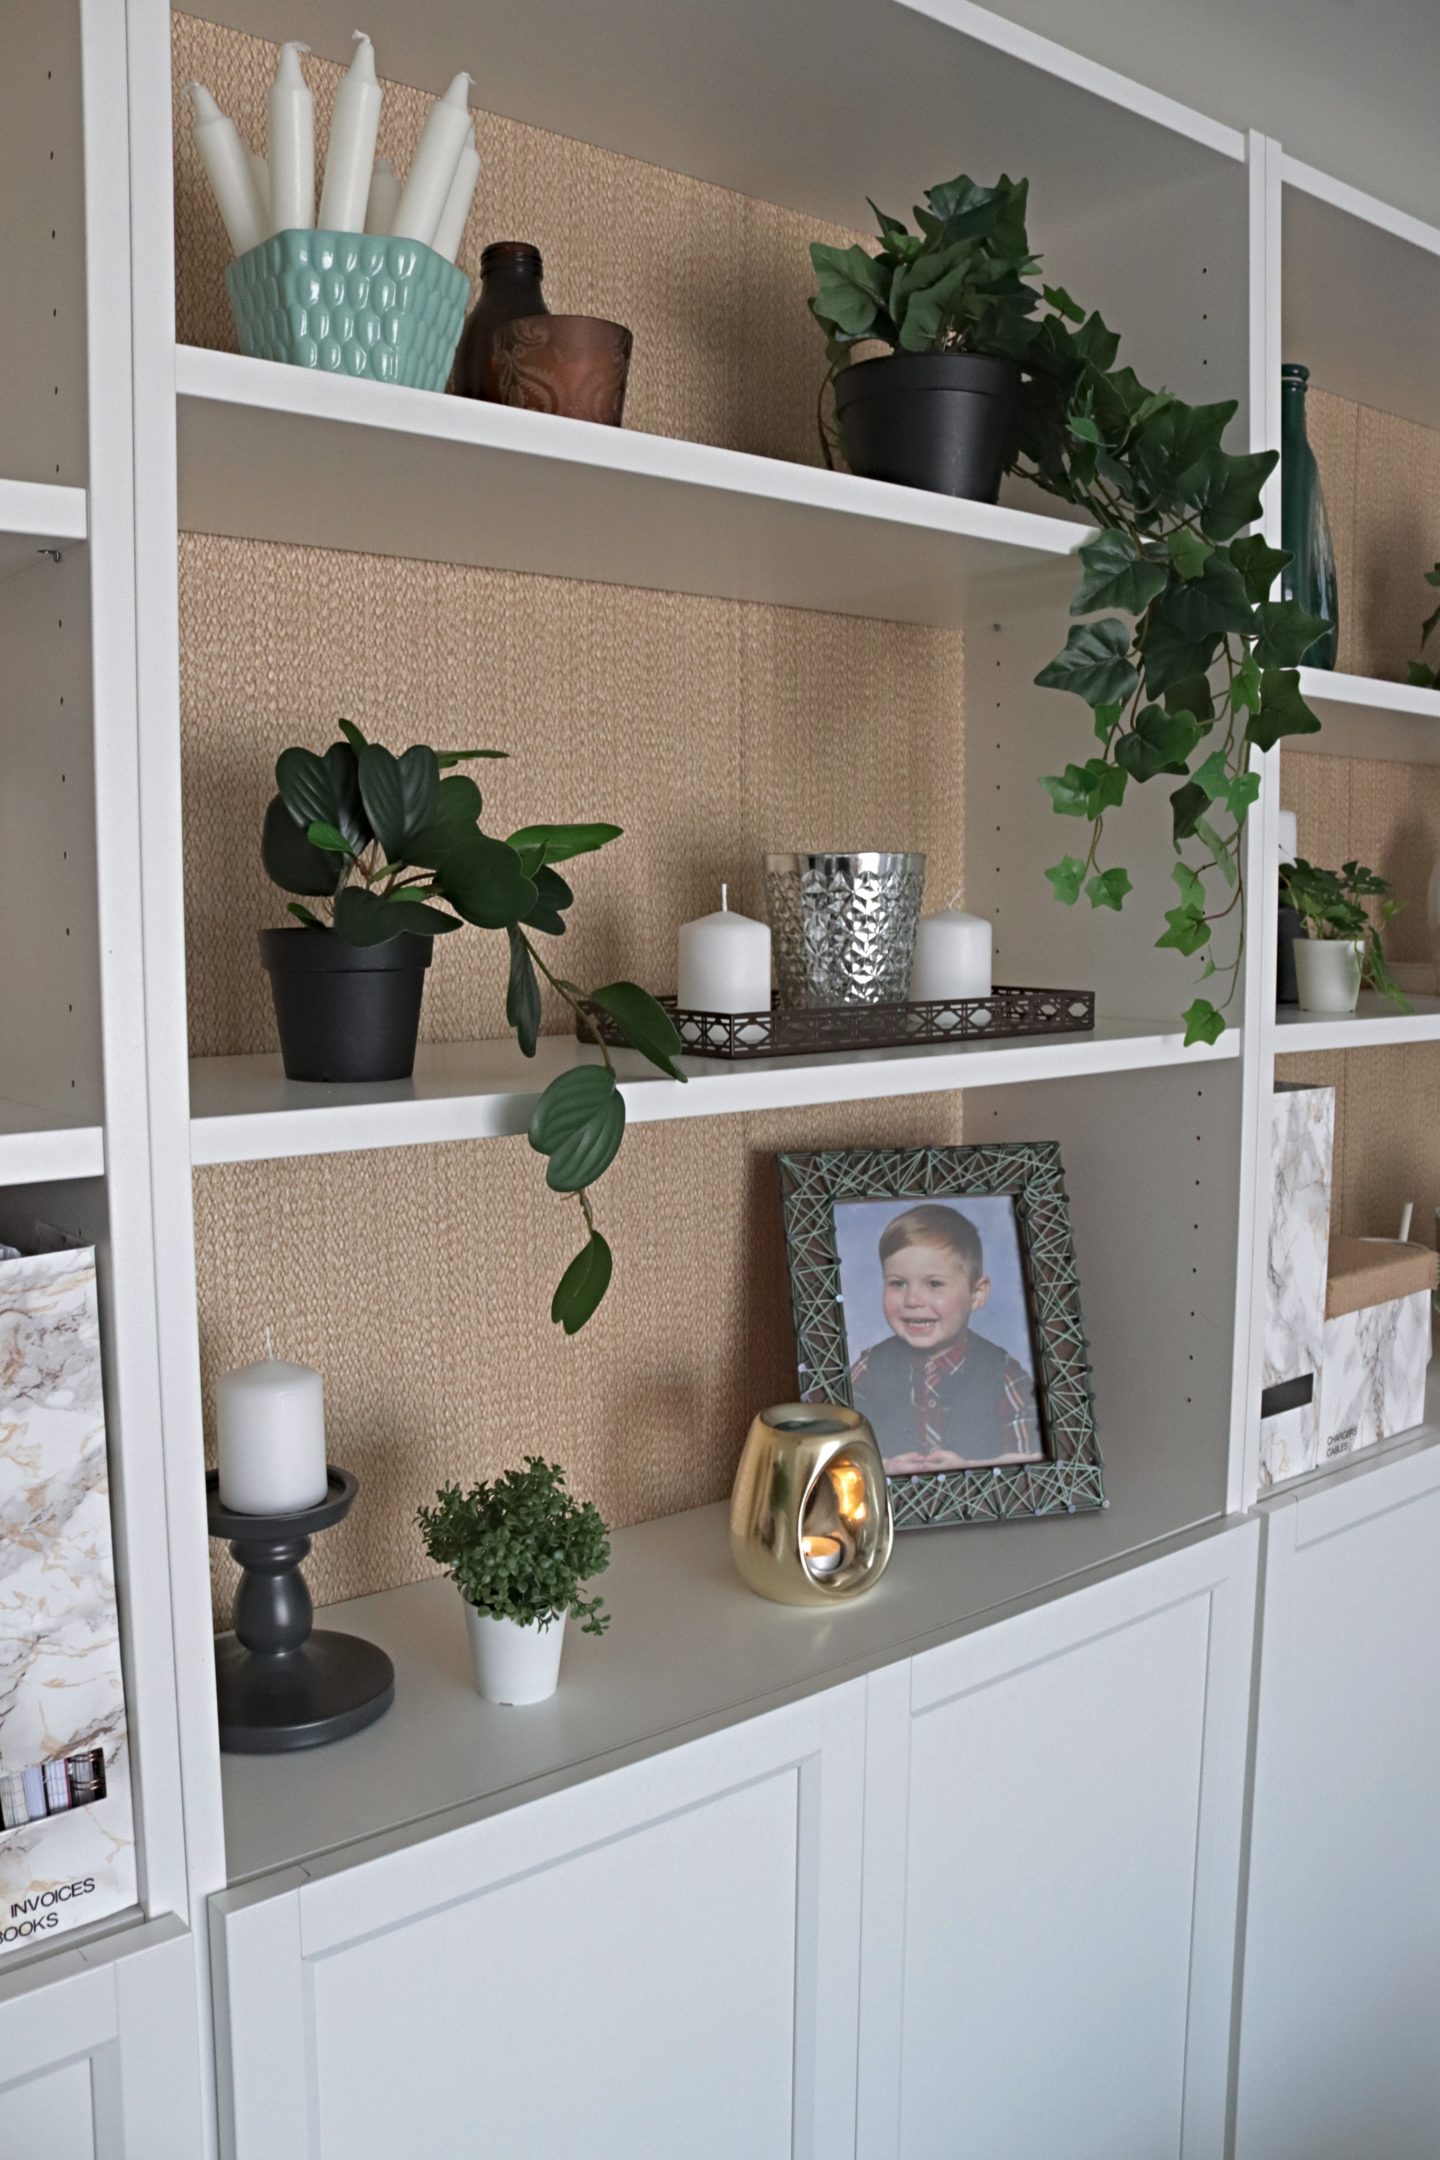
{"type": "Point", "coordinates": [935, 1290]}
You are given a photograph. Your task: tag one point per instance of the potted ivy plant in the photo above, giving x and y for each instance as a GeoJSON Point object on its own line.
{"type": "Point", "coordinates": [519, 1550]}
{"type": "Point", "coordinates": [391, 852]}
{"type": "Point", "coordinates": [950, 300]}
{"type": "Point", "coordinates": [1340, 946]}
{"type": "Point", "coordinates": [1187, 667]}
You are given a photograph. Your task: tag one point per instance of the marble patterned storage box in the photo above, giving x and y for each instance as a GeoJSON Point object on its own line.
{"type": "Point", "coordinates": [67, 1852]}
{"type": "Point", "coordinates": [1376, 1346]}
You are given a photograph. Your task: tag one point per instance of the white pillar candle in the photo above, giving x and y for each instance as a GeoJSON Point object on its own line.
{"type": "Point", "coordinates": [350, 156]}
{"type": "Point", "coordinates": [261, 171]}
{"type": "Point", "coordinates": [270, 1421]}
{"type": "Point", "coordinates": [384, 198]}
{"type": "Point", "coordinates": [451, 229]}
{"type": "Point", "coordinates": [724, 963]}
{"type": "Point", "coordinates": [227, 164]}
{"type": "Point", "coordinates": [1289, 837]}
{"type": "Point", "coordinates": [290, 145]}
{"type": "Point", "coordinates": [953, 957]}
{"type": "Point", "coordinates": [433, 167]}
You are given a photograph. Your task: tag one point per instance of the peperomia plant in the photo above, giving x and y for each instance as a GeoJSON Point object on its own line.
{"type": "Point", "coordinates": [1421, 673]}
{"type": "Point", "coordinates": [1331, 904]}
{"type": "Point", "coordinates": [388, 845]}
{"type": "Point", "coordinates": [1186, 664]}
{"type": "Point", "coordinates": [520, 1548]}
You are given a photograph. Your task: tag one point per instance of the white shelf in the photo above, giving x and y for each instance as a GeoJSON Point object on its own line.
{"type": "Point", "coordinates": [1362, 716]}
{"type": "Point", "coordinates": [280, 453]}
{"type": "Point", "coordinates": [1377, 1024]}
{"type": "Point", "coordinates": [813, 103]}
{"type": "Point", "coordinates": [689, 1649]}
{"type": "Point", "coordinates": [244, 1110]}
{"type": "Point", "coordinates": [35, 1149]}
{"type": "Point", "coordinates": [1350, 261]}
{"type": "Point", "coordinates": [36, 517]}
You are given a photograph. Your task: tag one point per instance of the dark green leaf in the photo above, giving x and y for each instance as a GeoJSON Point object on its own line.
{"type": "Point", "coordinates": [1424, 678]}
{"type": "Point", "coordinates": [1283, 710]}
{"type": "Point", "coordinates": [344, 770]}
{"type": "Point", "coordinates": [644, 1023]}
{"type": "Point", "coordinates": [1061, 301]}
{"type": "Point", "coordinates": [303, 915]}
{"type": "Point", "coordinates": [1214, 605]}
{"type": "Point", "coordinates": [1095, 664]}
{"type": "Point", "coordinates": [583, 1285]}
{"type": "Point", "coordinates": [1108, 889]}
{"type": "Point", "coordinates": [1067, 876]}
{"type": "Point", "coordinates": [306, 788]}
{"type": "Point", "coordinates": [579, 1122]}
{"type": "Point", "coordinates": [1187, 551]}
{"type": "Point", "coordinates": [352, 735]}
{"type": "Point", "coordinates": [1187, 807]}
{"type": "Point", "coordinates": [553, 896]}
{"type": "Point", "coordinates": [363, 918]}
{"type": "Point", "coordinates": [1086, 790]}
{"type": "Point", "coordinates": [1170, 656]}
{"type": "Point", "coordinates": [483, 880]}
{"type": "Point", "coordinates": [446, 758]}
{"type": "Point", "coordinates": [1161, 742]}
{"type": "Point", "coordinates": [417, 899]}
{"type": "Point", "coordinates": [1213, 775]}
{"type": "Point", "coordinates": [1287, 631]}
{"type": "Point", "coordinates": [1245, 688]}
{"type": "Point", "coordinates": [420, 786]}
{"type": "Point", "coordinates": [1202, 1023]}
{"type": "Point", "coordinates": [851, 290]}
{"type": "Point", "coordinates": [1116, 575]}
{"type": "Point", "coordinates": [1083, 428]}
{"type": "Point", "coordinates": [1257, 563]}
{"type": "Point", "coordinates": [383, 795]}
{"type": "Point", "coordinates": [522, 995]}
{"type": "Point", "coordinates": [290, 861]}
{"type": "Point", "coordinates": [1230, 496]}
{"type": "Point", "coordinates": [561, 842]}
{"type": "Point", "coordinates": [457, 810]}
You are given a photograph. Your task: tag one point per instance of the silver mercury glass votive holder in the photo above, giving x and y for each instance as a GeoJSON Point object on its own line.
{"type": "Point", "coordinates": [843, 926]}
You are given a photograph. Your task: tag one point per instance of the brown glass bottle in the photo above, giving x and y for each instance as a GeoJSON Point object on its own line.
{"type": "Point", "coordinates": [510, 274]}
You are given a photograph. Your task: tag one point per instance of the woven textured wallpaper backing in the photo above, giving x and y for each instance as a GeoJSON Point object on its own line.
{"type": "Point", "coordinates": [419, 1279]}
{"type": "Point", "coordinates": [1382, 489]}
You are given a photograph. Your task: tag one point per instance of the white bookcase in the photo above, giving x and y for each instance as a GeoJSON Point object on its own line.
{"type": "Point", "coordinates": [1205, 246]}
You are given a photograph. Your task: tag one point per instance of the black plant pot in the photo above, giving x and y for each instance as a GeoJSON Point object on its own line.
{"type": "Point", "coordinates": [346, 1012]}
{"type": "Point", "coordinates": [1291, 929]}
{"type": "Point", "coordinates": [930, 420]}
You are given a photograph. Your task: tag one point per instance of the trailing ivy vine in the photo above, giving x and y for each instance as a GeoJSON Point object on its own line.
{"type": "Point", "coordinates": [1185, 663]}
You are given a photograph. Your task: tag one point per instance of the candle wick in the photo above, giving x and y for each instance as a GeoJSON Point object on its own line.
{"type": "Point", "coordinates": [269, 1344]}
{"type": "Point", "coordinates": [955, 896]}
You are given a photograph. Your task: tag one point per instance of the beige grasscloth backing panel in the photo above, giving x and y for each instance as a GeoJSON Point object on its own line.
{"type": "Point", "coordinates": [419, 1279]}
{"type": "Point", "coordinates": [1382, 490]}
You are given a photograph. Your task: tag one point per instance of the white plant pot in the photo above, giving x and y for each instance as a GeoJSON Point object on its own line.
{"type": "Point", "coordinates": [1327, 973]}
{"type": "Point", "coordinates": [514, 1664]}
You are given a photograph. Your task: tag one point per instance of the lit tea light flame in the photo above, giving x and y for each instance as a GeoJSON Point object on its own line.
{"type": "Point", "coordinates": [848, 1484]}
{"type": "Point", "coordinates": [822, 1554]}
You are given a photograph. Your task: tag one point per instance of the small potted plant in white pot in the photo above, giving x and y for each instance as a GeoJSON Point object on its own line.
{"type": "Point", "coordinates": [518, 1551]}
{"type": "Point", "coordinates": [1339, 945]}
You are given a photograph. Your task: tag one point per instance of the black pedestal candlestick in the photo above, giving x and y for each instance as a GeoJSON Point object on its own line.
{"type": "Point", "coordinates": [282, 1686]}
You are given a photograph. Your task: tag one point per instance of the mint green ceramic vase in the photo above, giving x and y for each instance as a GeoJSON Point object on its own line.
{"type": "Point", "coordinates": [351, 304]}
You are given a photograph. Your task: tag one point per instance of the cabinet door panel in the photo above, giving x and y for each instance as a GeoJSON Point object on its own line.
{"type": "Point", "coordinates": [1342, 1945]}
{"type": "Point", "coordinates": [1049, 1970]}
{"type": "Point", "coordinates": [53, 2114]}
{"type": "Point", "coordinates": [663, 1959]}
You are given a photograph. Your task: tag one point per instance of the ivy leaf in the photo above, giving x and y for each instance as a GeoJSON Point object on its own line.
{"type": "Point", "coordinates": [1062, 303]}
{"type": "Point", "coordinates": [1229, 497]}
{"type": "Point", "coordinates": [1287, 631]}
{"type": "Point", "coordinates": [1282, 710]}
{"type": "Point", "coordinates": [1172, 656]}
{"type": "Point", "coordinates": [290, 860]}
{"type": "Point", "coordinates": [1191, 693]}
{"type": "Point", "coordinates": [1213, 776]}
{"type": "Point", "coordinates": [1214, 605]}
{"type": "Point", "coordinates": [1115, 575]}
{"type": "Point", "coordinates": [1066, 877]}
{"type": "Point", "coordinates": [644, 1023]}
{"type": "Point", "coordinates": [1188, 931]}
{"type": "Point", "coordinates": [1095, 664]}
{"type": "Point", "coordinates": [1086, 790]}
{"type": "Point", "coordinates": [1083, 428]}
{"type": "Point", "coordinates": [561, 842]}
{"type": "Point", "coordinates": [1187, 807]}
{"type": "Point", "coordinates": [579, 1123]}
{"type": "Point", "coordinates": [522, 994]}
{"type": "Point", "coordinates": [1257, 563]}
{"type": "Point", "coordinates": [1106, 719]}
{"type": "Point", "coordinates": [851, 293]}
{"type": "Point", "coordinates": [1245, 689]}
{"type": "Point", "coordinates": [1221, 854]}
{"type": "Point", "coordinates": [1189, 884]}
{"type": "Point", "coordinates": [1187, 551]}
{"type": "Point", "coordinates": [1108, 889]}
{"type": "Point", "coordinates": [583, 1285]}
{"type": "Point", "coordinates": [1160, 742]}
{"type": "Point", "coordinates": [1242, 793]}
{"type": "Point", "coordinates": [1202, 1023]}
{"type": "Point", "coordinates": [1424, 678]}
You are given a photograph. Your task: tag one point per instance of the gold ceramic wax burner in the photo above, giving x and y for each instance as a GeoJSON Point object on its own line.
{"type": "Point", "coordinates": [810, 1513]}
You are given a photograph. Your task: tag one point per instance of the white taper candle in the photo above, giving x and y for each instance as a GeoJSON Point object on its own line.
{"type": "Point", "coordinates": [290, 145]}
{"type": "Point", "coordinates": [384, 197]}
{"type": "Point", "coordinates": [261, 171]}
{"type": "Point", "coordinates": [433, 167]}
{"type": "Point", "coordinates": [351, 152]}
{"type": "Point", "coordinates": [227, 164]}
{"type": "Point", "coordinates": [451, 229]}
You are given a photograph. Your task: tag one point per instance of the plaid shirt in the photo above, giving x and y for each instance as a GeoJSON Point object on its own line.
{"type": "Point", "coordinates": [1016, 1432]}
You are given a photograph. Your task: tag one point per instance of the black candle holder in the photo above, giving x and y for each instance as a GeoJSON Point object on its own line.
{"type": "Point", "coordinates": [282, 1684]}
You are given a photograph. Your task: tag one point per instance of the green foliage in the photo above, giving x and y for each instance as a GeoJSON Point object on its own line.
{"type": "Point", "coordinates": [520, 1548]}
{"type": "Point", "coordinates": [1186, 664]}
{"type": "Point", "coordinates": [392, 848]}
{"type": "Point", "coordinates": [1331, 903]}
{"type": "Point", "coordinates": [1420, 672]}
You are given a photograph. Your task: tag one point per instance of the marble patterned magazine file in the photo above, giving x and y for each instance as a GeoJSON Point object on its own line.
{"type": "Point", "coordinates": [67, 1847]}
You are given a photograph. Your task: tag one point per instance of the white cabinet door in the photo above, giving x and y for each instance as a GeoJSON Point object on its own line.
{"type": "Point", "coordinates": [100, 2051]}
{"type": "Point", "coordinates": [663, 1960]}
{"type": "Point", "coordinates": [1054, 1810]}
{"type": "Point", "coordinates": [1338, 2054]}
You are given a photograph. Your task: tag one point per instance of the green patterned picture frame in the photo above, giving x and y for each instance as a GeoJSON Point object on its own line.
{"type": "Point", "coordinates": [1070, 1479]}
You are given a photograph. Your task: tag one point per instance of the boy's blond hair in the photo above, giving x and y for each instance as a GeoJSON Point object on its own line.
{"type": "Point", "coordinates": [933, 1224]}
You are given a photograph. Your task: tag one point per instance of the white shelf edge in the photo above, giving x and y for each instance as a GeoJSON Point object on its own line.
{"type": "Point", "coordinates": [1377, 1025]}
{"type": "Point", "coordinates": [38, 510]}
{"type": "Point", "coordinates": [244, 1111]}
{"type": "Point", "coordinates": [1318, 686]}
{"type": "Point", "coordinates": [35, 1153]}
{"type": "Point", "coordinates": [1339, 195]}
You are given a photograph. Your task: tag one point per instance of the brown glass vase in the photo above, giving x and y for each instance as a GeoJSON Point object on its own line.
{"type": "Point", "coordinates": [574, 365]}
{"type": "Point", "coordinates": [510, 275]}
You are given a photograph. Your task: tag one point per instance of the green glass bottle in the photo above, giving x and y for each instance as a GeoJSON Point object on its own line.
{"type": "Point", "coordinates": [1309, 576]}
